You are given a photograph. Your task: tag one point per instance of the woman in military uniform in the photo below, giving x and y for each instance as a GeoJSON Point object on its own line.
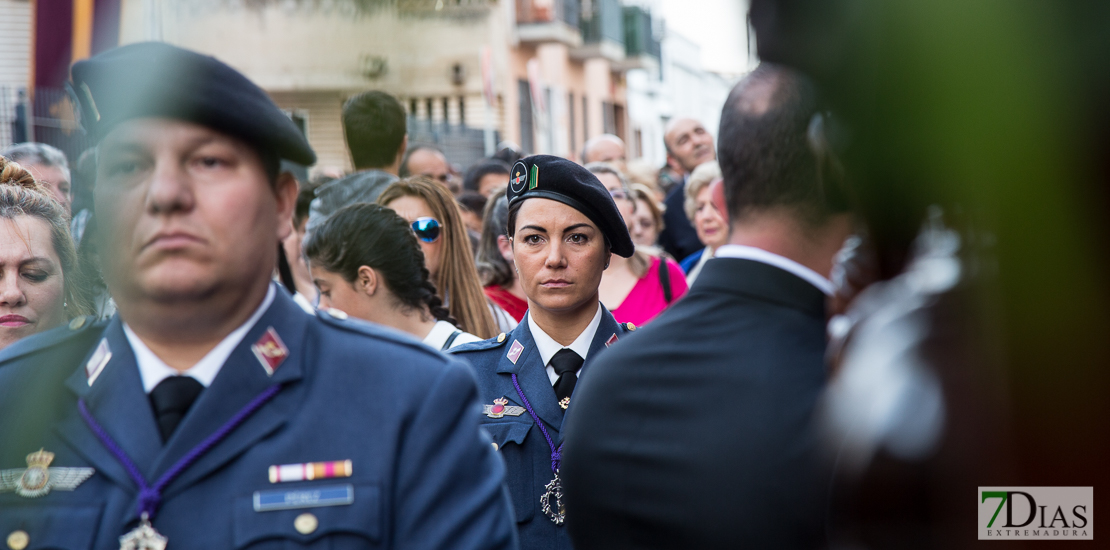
{"type": "Point", "coordinates": [563, 227]}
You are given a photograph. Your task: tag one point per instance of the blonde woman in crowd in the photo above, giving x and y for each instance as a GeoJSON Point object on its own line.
{"type": "Point", "coordinates": [708, 222]}
{"type": "Point", "coordinates": [647, 218]}
{"type": "Point", "coordinates": [638, 288]}
{"type": "Point", "coordinates": [435, 218]}
{"type": "Point", "coordinates": [39, 284]}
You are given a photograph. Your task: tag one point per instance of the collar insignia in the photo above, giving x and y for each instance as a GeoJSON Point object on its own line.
{"type": "Point", "coordinates": [515, 351]}
{"type": "Point", "coordinates": [270, 351]}
{"type": "Point", "coordinates": [612, 340]}
{"type": "Point", "coordinates": [99, 359]}
{"type": "Point", "coordinates": [38, 478]}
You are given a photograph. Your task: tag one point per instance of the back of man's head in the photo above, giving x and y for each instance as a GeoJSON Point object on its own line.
{"type": "Point", "coordinates": [374, 123]}
{"type": "Point", "coordinates": [765, 156]}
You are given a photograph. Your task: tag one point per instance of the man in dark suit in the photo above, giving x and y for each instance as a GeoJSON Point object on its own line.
{"type": "Point", "coordinates": [212, 411]}
{"type": "Point", "coordinates": [695, 432]}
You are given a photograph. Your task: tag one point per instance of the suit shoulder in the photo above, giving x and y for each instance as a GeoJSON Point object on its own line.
{"type": "Point", "coordinates": [76, 333]}
{"type": "Point", "coordinates": [483, 345]}
{"type": "Point", "coordinates": [360, 330]}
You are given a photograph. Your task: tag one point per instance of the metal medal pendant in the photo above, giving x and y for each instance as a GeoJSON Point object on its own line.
{"type": "Point", "coordinates": [143, 537]}
{"type": "Point", "coordinates": [554, 510]}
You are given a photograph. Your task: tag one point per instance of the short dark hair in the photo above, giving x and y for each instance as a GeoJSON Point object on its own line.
{"type": "Point", "coordinates": [765, 155]}
{"type": "Point", "coordinates": [374, 123]}
{"type": "Point", "coordinates": [482, 169]}
{"type": "Point", "coordinates": [404, 171]}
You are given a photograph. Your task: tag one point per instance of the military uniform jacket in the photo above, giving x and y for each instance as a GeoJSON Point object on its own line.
{"type": "Point", "coordinates": [521, 444]}
{"type": "Point", "coordinates": [421, 474]}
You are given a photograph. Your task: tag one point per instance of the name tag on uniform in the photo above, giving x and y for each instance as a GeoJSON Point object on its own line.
{"type": "Point", "coordinates": [332, 495]}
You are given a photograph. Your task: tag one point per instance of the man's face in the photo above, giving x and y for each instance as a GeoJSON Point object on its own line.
{"type": "Point", "coordinates": [54, 179]}
{"type": "Point", "coordinates": [689, 143]}
{"type": "Point", "coordinates": [607, 151]}
{"type": "Point", "coordinates": [431, 164]}
{"type": "Point", "coordinates": [185, 212]}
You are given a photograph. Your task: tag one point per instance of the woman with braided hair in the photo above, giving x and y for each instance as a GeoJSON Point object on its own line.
{"type": "Point", "coordinates": [365, 261]}
{"type": "Point", "coordinates": [39, 287]}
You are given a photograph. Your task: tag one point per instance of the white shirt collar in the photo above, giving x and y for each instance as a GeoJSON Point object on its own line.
{"type": "Point", "coordinates": [786, 264]}
{"type": "Point", "coordinates": [548, 347]}
{"type": "Point", "coordinates": [154, 370]}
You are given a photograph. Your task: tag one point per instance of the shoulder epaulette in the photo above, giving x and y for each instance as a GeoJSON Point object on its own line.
{"type": "Point", "coordinates": [489, 343]}
{"type": "Point", "coordinates": [339, 319]}
{"type": "Point", "coordinates": [50, 338]}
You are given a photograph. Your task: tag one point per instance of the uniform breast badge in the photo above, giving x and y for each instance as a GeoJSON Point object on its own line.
{"type": "Point", "coordinates": [38, 478]}
{"type": "Point", "coordinates": [500, 408]}
{"type": "Point", "coordinates": [555, 511]}
{"type": "Point", "coordinates": [143, 537]}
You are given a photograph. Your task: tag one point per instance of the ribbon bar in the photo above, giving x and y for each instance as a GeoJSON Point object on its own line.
{"type": "Point", "coordinates": [310, 471]}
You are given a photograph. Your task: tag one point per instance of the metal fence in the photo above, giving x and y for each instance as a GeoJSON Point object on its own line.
{"type": "Point", "coordinates": [45, 116]}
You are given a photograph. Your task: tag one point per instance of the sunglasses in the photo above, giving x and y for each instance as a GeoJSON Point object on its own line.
{"type": "Point", "coordinates": [426, 229]}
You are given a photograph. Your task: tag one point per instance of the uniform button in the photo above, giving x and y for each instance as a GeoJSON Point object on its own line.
{"type": "Point", "coordinates": [306, 523]}
{"type": "Point", "coordinates": [494, 445]}
{"type": "Point", "coordinates": [501, 337]}
{"type": "Point", "coordinates": [18, 540]}
{"type": "Point", "coordinates": [631, 327]}
{"type": "Point", "coordinates": [77, 323]}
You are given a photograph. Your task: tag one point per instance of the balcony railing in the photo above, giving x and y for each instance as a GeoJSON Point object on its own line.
{"type": "Point", "coordinates": [547, 11]}
{"type": "Point", "coordinates": [602, 21]}
{"type": "Point", "coordinates": [639, 37]}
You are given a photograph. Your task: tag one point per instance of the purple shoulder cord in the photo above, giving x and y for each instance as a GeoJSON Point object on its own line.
{"type": "Point", "coordinates": [556, 454]}
{"type": "Point", "coordinates": [150, 497]}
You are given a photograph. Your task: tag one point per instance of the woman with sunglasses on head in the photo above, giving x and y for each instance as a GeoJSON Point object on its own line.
{"type": "Point", "coordinates": [641, 287]}
{"type": "Point", "coordinates": [563, 229]}
{"type": "Point", "coordinates": [366, 262]}
{"type": "Point", "coordinates": [435, 219]}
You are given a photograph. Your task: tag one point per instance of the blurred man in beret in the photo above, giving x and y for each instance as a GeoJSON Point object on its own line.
{"type": "Point", "coordinates": [212, 411]}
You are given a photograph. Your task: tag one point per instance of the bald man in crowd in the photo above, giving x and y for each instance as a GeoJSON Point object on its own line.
{"type": "Point", "coordinates": [605, 148]}
{"type": "Point", "coordinates": [688, 145]}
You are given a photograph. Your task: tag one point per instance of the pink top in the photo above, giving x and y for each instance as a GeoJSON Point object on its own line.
{"type": "Point", "coordinates": [646, 299]}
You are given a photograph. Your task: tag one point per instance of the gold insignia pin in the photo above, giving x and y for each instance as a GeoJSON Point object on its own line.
{"type": "Point", "coordinates": [38, 478]}
{"type": "Point", "coordinates": [564, 402]}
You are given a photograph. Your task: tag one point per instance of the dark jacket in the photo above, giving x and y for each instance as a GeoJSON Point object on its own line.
{"type": "Point", "coordinates": [695, 431]}
{"type": "Point", "coordinates": [678, 238]}
{"type": "Point", "coordinates": [364, 186]}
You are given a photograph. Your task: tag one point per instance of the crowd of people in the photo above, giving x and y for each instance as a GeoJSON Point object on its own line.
{"type": "Point", "coordinates": [205, 347]}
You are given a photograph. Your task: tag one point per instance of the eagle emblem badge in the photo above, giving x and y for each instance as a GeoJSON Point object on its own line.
{"type": "Point", "coordinates": [38, 478]}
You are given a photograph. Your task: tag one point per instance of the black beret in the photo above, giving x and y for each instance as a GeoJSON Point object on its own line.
{"type": "Point", "coordinates": [154, 79]}
{"type": "Point", "coordinates": [558, 179]}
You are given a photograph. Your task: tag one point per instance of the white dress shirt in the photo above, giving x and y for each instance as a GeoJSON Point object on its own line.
{"type": "Point", "coordinates": [443, 330]}
{"type": "Point", "coordinates": [548, 347]}
{"type": "Point", "coordinates": [786, 264]}
{"type": "Point", "coordinates": [153, 370]}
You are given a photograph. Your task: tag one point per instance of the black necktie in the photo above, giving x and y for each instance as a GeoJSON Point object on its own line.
{"type": "Point", "coordinates": [171, 399]}
{"type": "Point", "coordinates": [566, 363]}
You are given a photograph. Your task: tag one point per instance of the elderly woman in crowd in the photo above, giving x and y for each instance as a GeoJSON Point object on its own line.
{"type": "Point", "coordinates": [438, 225]}
{"type": "Point", "coordinates": [365, 260]}
{"type": "Point", "coordinates": [638, 288]}
{"type": "Point", "coordinates": [39, 287]}
{"type": "Point", "coordinates": [708, 221]}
